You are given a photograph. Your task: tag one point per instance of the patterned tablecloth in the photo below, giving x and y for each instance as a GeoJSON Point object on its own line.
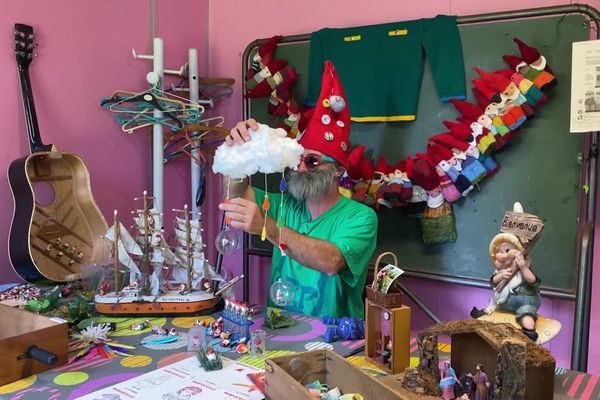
{"type": "Point", "coordinates": [85, 376]}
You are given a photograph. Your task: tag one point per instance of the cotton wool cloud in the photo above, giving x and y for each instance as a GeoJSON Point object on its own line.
{"type": "Point", "coordinates": [268, 151]}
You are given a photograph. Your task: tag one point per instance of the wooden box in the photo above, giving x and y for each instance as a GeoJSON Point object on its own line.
{"type": "Point", "coordinates": [21, 331]}
{"type": "Point", "coordinates": [286, 376]}
{"type": "Point", "coordinates": [387, 336]}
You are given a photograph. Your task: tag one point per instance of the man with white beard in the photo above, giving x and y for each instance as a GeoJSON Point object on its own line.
{"type": "Point", "coordinates": [327, 238]}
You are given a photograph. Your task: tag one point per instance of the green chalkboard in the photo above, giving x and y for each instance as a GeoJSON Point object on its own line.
{"type": "Point", "coordinates": [540, 168]}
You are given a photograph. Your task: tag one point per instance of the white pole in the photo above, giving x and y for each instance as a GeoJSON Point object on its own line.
{"type": "Point", "coordinates": [194, 96]}
{"type": "Point", "coordinates": [157, 131]}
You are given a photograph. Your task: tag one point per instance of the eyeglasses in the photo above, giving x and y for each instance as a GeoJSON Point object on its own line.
{"type": "Point", "coordinates": [312, 161]}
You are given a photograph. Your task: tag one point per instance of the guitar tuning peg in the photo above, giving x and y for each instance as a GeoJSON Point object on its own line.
{"type": "Point", "coordinates": [57, 241]}
{"type": "Point", "coordinates": [79, 256]}
{"type": "Point", "coordinates": [48, 248]}
{"type": "Point", "coordinates": [72, 250]}
{"type": "Point", "coordinates": [65, 245]}
{"type": "Point", "coordinates": [71, 261]}
{"type": "Point", "coordinates": [59, 254]}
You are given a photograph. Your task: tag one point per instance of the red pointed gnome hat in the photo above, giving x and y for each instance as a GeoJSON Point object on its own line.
{"type": "Point", "coordinates": [459, 130]}
{"type": "Point", "coordinates": [507, 73]}
{"type": "Point", "coordinates": [437, 153]}
{"type": "Point", "coordinates": [496, 82]}
{"type": "Point", "coordinates": [423, 172]}
{"type": "Point", "coordinates": [469, 110]}
{"type": "Point", "coordinates": [382, 166]}
{"type": "Point", "coordinates": [269, 46]}
{"type": "Point", "coordinates": [482, 100]}
{"type": "Point", "coordinates": [448, 141]}
{"type": "Point", "coordinates": [355, 162]}
{"type": "Point", "coordinates": [529, 54]}
{"type": "Point", "coordinates": [409, 166]}
{"type": "Point", "coordinates": [328, 130]}
{"type": "Point", "coordinates": [483, 89]}
{"type": "Point", "coordinates": [367, 170]}
{"type": "Point", "coordinates": [513, 61]}
{"type": "Point", "coordinates": [401, 166]}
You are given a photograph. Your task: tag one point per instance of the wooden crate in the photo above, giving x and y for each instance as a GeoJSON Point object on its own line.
{"type": "Point", "coordinates": [20, 330]}
{"type": "Point", "coordinates": [286, 376]}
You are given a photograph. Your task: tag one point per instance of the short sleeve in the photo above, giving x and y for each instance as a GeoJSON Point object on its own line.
{"type": "Point", "coordinates": [356, 241]}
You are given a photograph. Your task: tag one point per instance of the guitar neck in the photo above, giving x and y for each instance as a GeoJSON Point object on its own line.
{"type": "Point", "coordinates": [33, 129]}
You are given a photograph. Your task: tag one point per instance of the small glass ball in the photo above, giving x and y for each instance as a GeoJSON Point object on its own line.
{"type": "Point", "coordinates": [282, 292]}
{"type": "Point", "coordinates": [228, 242]}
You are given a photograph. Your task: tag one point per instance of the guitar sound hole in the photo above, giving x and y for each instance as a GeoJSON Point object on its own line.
{"type": "Point", "coordinates": [44, 194]}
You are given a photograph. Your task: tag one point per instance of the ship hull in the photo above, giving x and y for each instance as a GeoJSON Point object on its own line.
{"type": "Point", "coordinates": [157, 307]}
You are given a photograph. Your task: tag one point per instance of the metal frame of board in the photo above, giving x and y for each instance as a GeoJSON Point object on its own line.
{"type": "Point", "coordinates": [582, 293]}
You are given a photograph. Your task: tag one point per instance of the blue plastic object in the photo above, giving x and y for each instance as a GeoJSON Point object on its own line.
{"type": "Point", "coordinates": [345, 328]}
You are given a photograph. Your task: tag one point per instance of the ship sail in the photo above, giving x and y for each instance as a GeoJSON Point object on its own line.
{"type": "Point", "coordinates": [190, 245]}
{"type": "Point", "coordinates": [126, 245]}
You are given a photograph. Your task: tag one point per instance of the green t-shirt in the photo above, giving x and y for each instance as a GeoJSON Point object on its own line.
{"type": "Point", "coordinates": [349, 225]}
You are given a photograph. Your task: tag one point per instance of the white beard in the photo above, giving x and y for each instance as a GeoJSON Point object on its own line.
{"type": "Point", "coordinates": [500, 297]}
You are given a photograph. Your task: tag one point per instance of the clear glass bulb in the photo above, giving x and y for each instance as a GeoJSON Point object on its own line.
{"type": "Point", "coordinates": [282, 292]}
{"type": "Point", "coordinates": [228, 242]}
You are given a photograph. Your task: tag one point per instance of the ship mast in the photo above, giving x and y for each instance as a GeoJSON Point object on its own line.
{"type": "Point", "coordinates": [146, 257]}
{"type": "Point", "coordinates": [189, 249]}
{"type": "Point", "coordinates": [116, 250]}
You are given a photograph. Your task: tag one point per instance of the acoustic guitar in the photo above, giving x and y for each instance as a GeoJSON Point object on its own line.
{"type": "Point", "coordinates": [56, 226]}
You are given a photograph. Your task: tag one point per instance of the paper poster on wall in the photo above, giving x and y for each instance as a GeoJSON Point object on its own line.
{"type": "Point", "coordinates": [585, 86]}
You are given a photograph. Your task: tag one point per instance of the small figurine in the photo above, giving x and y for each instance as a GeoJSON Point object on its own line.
{"type": "Point", "coordinates": [159, 330]}
{"type": "Point", "coordinates": [447, 380]}
{"type": "Point", "coordinates": [209, 359]}
{"type": "Point", "coordinates": [277, 318]}
{"type": "Point", "coordinates": [386, 353]}
{"type": "Point", "coordinates": [104, 288]}
{"type": "Point", "coordinates": [346, 328]}
{"type": "Point", "coordinates": [242, 347]}
{"type": "Point", "coordinates": [140, 326]}
{"type": "Point", "coordinates": [482, 383]}
{"type": "Point", "coordinates": [516, 286]}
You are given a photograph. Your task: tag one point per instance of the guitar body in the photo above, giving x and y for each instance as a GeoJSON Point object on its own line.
{"type": "Point", "coordinates": [56, 227]}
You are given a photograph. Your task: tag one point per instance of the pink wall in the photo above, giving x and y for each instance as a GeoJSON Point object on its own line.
{"type": "Point", "coordinates": [230, 32]}
{"type": "Point", "coordinates": [84, 54]}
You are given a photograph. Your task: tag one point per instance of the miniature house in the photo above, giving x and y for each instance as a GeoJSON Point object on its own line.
{"type": "Point", "coordinates": [387, 336]}
{"type": "Point", "coordinates": [517, 368]}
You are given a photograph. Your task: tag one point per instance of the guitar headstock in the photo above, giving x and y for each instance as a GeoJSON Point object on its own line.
{"type": "Point", "coordinates": [24, 44]}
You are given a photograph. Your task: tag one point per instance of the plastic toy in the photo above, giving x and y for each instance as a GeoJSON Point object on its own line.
{"type": "Point", "coordinates": [346, 328]}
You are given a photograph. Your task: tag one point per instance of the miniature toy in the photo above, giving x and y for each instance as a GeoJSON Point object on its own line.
{"type": "Point", "coordinates": [346, 328]}
{"type": "Point", "coordinates": [447, 381]}
{"type": "Point", "coordinates": [196, 337]}
{"type": "Point", "coordinates": [256, 345]}
{"type": "Point", "coordinates": [209, 359]}
{"type": "Point", "coordinates": [277, 318]}
{"type": "Point", "coordinates": [236, 319]}
{"type": "Point", "coordinates": [482, 382]}
{"type": "Point", "coordinates": [140, 326]}
{"type": "Point", "coordinates": [159, 330]}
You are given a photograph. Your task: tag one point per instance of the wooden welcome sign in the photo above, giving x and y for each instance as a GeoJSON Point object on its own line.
{"type": "Point", "coordinates": [527, 227]}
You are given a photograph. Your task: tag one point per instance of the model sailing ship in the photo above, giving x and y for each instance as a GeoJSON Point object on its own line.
{"type": "Point", "coordinates": [148, 259]}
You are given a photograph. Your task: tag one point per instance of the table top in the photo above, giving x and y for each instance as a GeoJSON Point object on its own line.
{"type": "Point", "coordinates": [85, 376]}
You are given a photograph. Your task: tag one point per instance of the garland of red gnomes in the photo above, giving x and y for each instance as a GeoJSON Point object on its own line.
{"type": "Point", "coordinates": [452, 163]}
